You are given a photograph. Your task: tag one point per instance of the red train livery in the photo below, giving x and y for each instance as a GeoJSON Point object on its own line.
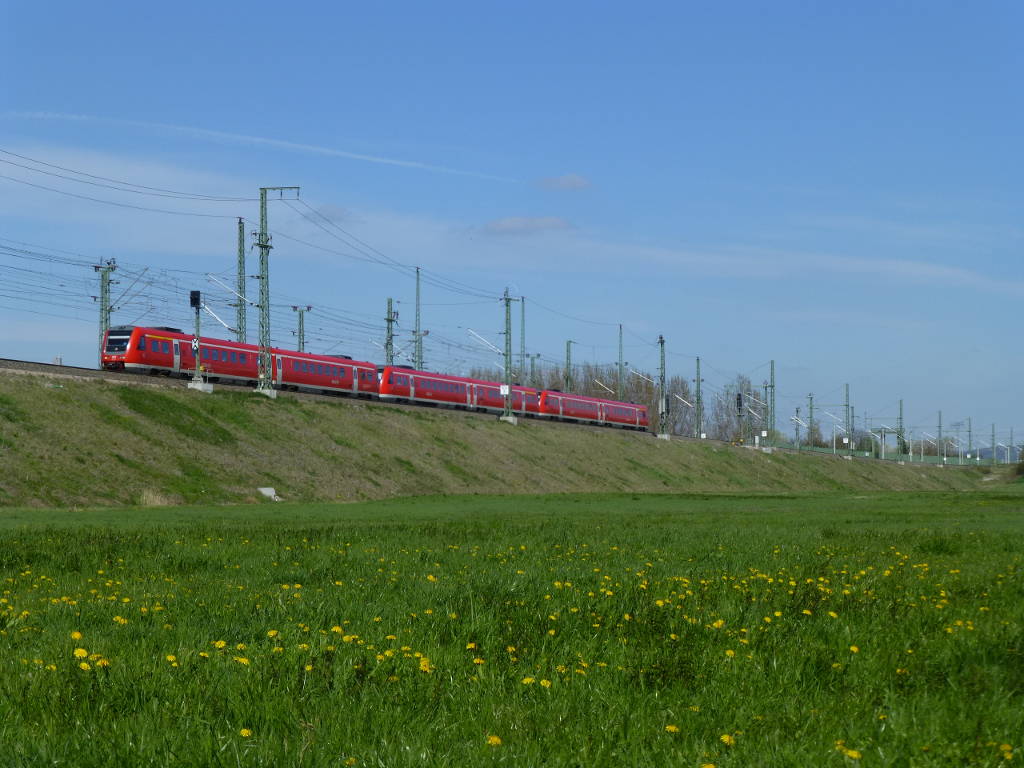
{"type": "Point", "coordinates": [169, 351]}
{"type": "Point", "coordinates": [161, 350]}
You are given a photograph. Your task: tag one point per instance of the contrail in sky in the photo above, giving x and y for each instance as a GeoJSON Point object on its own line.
{"type": "Point", "coordinates": [239, 138]}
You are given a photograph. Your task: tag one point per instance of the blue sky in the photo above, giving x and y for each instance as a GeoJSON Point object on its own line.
{"type": "Point", "coordinates": [837, 187]}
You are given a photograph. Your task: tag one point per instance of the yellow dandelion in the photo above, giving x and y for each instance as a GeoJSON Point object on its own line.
{"type": "Point", "coordinates": [171, 657]}
{"type": "Point", "coordinates": [727, 739]}
{"type": "Point", "coordinates": [245, 733]}
{"type": "Point", "coordinates": [350, 761]}
{"type": "Point", "coordinates": [494, 741]}
{"type": "Point", "coordinates": [833, 614]}
{"type": "Point", "coordinates": [242, 660]}
{"type": "Point", "coordinates": [854, 649]}
{"type": "Point", "coordinates": [219, 644]}
{"type": "Point", "coordinates": [470, 646]}
{"type": "Point", "coordinates": [730, 653]}
{"type": "Point", "coordinates": [545, 683]}
{"type": "Point", "coordinates": [272, 633]}
{"type": "Point", "coordinates": [672, 728]}
{"type": "Point", "coordinates": [529, 680]}
{"type": "Point", "coordinates": [309, 667]}
{"type": "Point", "coordinates": [478, 661]}
{"type": "Point", "coordinates": [76, 635]}
{"type": "Point", "coordinates": [707, 765]}
{"type": "Point", "coordinates": [718, 624]}
{"type": "Point", "coordinates": [80, 653]}
{"type": "Point", "coordinates": [84, 666]}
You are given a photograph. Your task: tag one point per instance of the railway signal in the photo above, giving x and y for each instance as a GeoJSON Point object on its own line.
{"type": "Point", "coordinates": [195, 300]}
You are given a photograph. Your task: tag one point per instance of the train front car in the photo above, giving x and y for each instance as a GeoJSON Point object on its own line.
{"type": "Point", "coordinates": [141, 349]}
{"type": "Point", "coordinates": [116, 347]}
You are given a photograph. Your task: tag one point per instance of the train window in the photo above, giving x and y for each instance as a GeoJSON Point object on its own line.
{"type": "Point", "coordinates": [241, 357]}
{"type": "Point", "coordinates": [215, 354]}
{"type": "Point", "coordinates": [166, 347]}
{"type": "Point", "coordinates": [234, 357]}
{"type": "Point", "coordinates": [142, 343]}
{"type": "Point", "coordinates": [154, 345]}
{"type": "Point", "coordinates": [206, 354]}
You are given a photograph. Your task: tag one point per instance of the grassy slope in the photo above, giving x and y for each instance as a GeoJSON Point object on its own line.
{"type": "Point", "coordinates": [85, 443]}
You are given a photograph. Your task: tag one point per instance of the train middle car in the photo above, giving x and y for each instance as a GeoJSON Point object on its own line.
{"type": "Point", "coordinates": [398, 383]}
{"type": "Point", "coordinates": [593, 410]}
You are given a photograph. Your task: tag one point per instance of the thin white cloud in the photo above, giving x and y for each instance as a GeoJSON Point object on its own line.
{"type": "Point", "coordinates": [525, 225]}
{"type": "Point", "coordinates": [568, 181]}
{"type": "Point", "coordinates": [239, 138]}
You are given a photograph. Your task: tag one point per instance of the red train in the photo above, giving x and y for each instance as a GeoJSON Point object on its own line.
{"type": "Point", "coordinates": [169, 351]}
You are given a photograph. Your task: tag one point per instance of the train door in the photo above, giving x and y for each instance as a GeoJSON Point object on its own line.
{"type": "Point", "coordinates": [278, 374]}
{"type": "Point", "coordinates": [177, 357]}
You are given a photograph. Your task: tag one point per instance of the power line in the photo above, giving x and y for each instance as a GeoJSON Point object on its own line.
{"type": "Point", "coordinates": [119, 186]}
{"type": "Point", "coordinates": [119, 205]}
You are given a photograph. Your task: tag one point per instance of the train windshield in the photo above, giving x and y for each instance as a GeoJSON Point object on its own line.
{"type": "Point", "coordinates": [117, 340]}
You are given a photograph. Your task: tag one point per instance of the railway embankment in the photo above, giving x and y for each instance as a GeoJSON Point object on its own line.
{"type": "Point", "coordinates": [70, 441]}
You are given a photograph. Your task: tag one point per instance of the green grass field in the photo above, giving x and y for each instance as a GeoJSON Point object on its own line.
{"type": "Point", "coordinates": [825, 630]}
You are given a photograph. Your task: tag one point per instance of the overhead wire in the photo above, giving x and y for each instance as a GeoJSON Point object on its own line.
{"type": "Point", "coordinates": [145, 189]}
{"type": "Point", "coordinates": [119, 205]}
